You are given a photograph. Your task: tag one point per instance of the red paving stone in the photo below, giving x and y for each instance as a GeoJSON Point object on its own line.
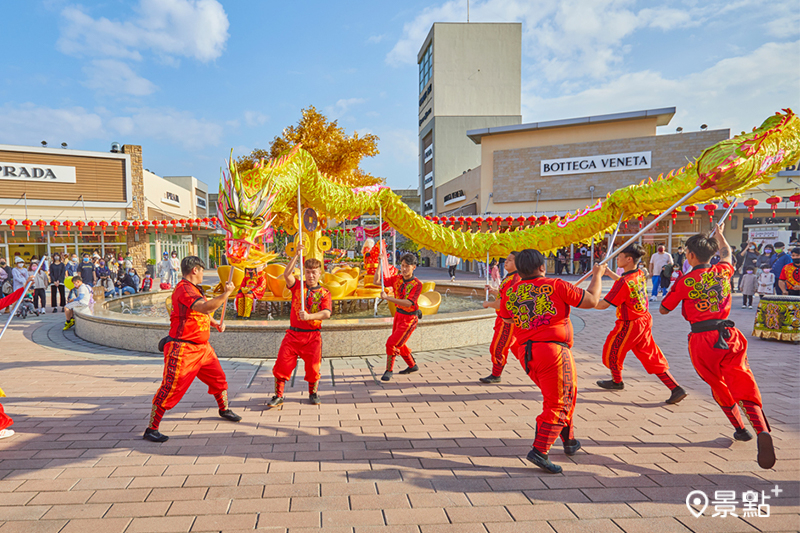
{"type": "Point", "coordinates": [435, 452]}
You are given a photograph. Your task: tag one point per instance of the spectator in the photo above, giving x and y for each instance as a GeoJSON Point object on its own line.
{"type": "Point", "coordinates": [86, 271]}
{"type": "Point", "coordinates": [102, 272]}
{"type": "Point", "coordinates": [561, 261]}
{"type": "Point", "coordinates": [781, 259]}
{"type": "Point", "coordinates": [57, 276]}
{"type": "Point", "coordinates": [175, 268]}
{"type": "Point", "coordinates": [657, 262]}
{"type": "Point", "coordinates": [147, 282]}
{"type": "Point", "coordinates": [766, 283]}
{"type": "Point", "coordinates": [82, 300]}
{"type": "Point", "coordinates": [40, 282]}
{"type": "Point", "coordinates": [127, 261]}
{"type": "Point", "coordinates": [679, 257]}
{"type": "Point", "coordinates": [749, 257]}
{"type": "Point", "coordinates": [790, 275]}
{"type": "Point", "coordinates": [6, 281]}
{"type": "Point", "coordinates": [749, 285]}
{"type": "Point", "coordinates": [765, 259]}
{"type": "Point", "coordinates": [163, 270]}
{"type": "Point", "coordinates": [20, 273]}
{"type": "Point", "coordinates": [137, 281]}
{"type": "Point", "coordinates": [124, 283]}
{"type": "Point", "coordinates": [72, 265]}
{"type": "Point", "coordinates": [451, 263]}
{"type": "Point", "coordinates": [494, 272]}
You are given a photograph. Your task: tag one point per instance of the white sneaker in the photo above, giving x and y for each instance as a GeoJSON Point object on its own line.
{"type": "Point", "coordinates": [652, 298]}
{"type": "Point", "coordinates": [744, 307]}
{"type": "Point", "coordinates": [751, 307]}
{"type": "Point", "coordinates": [4, 434]}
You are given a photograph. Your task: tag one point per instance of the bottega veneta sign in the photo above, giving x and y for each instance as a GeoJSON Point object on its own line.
{"type": "Point", "coordinates": [595, 163]}
{"type": "Point", "coordinates": [32, 172]}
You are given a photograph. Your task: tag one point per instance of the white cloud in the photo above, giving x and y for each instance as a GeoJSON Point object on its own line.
{"type": "Point", "coordinates": [255, 118]}
{"type": "Point", "coordinates": [733, 93]}
{"type": "Point", "coordinates": [186, 28]}
{"type": "Point", "coordinates": [375, 39]}
{"type": "Point", "coordinates": [30, 124]}
{"type": "Point", "coordinates": [114, 77]}
{"type": "Point", "coordinates": [341, 107]}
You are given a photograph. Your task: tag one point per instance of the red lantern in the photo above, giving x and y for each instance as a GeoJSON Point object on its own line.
{"type": "Point", "coordinates": [67, 224]}
{"type": "Point", "coordinates": [710, 208]}
{"type": "Point", "coordinates": [543, 219]}
{"type": "Point", "coordinates": [103, 226]}
{"type": "Point", "coordinates": [12, 224]}
{"type": "Point", "coordinates": [796, 199]}
{"type": "Point", "coordinates": [55, 224]}
{"type": "Point", "coordinates": [197, 222]}
{"type": "Point", "coordinates": [691, 209]}
{"type": "Point", "coordinates": [27, 225]}
{"type": "Point", "coordinates": [435, 220]}
{"type": "Point", "coordinates": [640, 218]}
{"type": "Point", "coordinates": [115, 225]}
{"type": "Point", "coordinates": [521, 221]}
{"type": "Point", "coordinates": [554, 218]}
{"type": "Point", "coordinates": [174, 224]}
{"type": "Point", "coordinates": [751, 204]}
{"type": "Point", "coordinates": [214, 220]}
{"type": "Point", "coordinates": [92, 224]}
{"type": "Point", "coordinates": [773, 202]}
{"type": "Point", "coordinates": [427, 217]}
{"type": "Point", "coordinates": [479, 222]}
{"type": "Point", "coordinates": [726, 205]}
{"type": "Point", "coordinates": [135, 225]}
{"type": "Point", "coordinates": [155, 225]}
{"type": "Point", "coordinates": [674, 216]}
{"type": "Point", "coordinates": [182, 222]}
{"type": "Point", "coordinates": [461, 220]}
{"type": "Point", "coordinates": [41, 223]}
{"type": "Point", "coordinates": [79, 225]}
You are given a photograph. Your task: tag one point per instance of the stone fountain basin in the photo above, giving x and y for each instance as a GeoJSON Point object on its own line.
{"type": "Point", "coordinates": [261, 338]}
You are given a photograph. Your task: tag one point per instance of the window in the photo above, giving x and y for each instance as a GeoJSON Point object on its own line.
{"type": "Point", "coordinates": [425, 67]}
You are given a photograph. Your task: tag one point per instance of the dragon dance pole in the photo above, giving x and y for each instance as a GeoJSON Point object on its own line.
{"type": "Point", "coordinates": [21, 296]}
{"type": "Point", "coordinates": [380, 241]}
{"type": "Point", "coordinates": [724, 216]}
{"type": "Point", "coordinates": [487, 276]}
{"type": "Point", "coordinates": [299, 246]}
{"type": "Point", "coordinates": [614, 237]}
{"type": "Point", "coordinates": [642, 231]}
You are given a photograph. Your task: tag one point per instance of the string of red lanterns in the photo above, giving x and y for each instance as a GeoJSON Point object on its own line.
{"type": "Point", "coordinates": [104, 225]}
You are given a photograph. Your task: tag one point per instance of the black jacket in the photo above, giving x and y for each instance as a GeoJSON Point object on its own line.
{"type": "Point", "coordinates": [57, 272]}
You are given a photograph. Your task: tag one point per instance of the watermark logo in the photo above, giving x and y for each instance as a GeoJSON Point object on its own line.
{"type": "Point", "coordinates": [754, 505]}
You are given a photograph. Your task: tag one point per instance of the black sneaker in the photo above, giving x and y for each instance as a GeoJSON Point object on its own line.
{"type": "Point", "coordinates": [410, 370]}
{"type": "Point", "coordinates": [572, 446]}
{"type": "Point", "coordinates": [677, 395]}
{"type": "Point", "coordinates": [490, 379]}
{"type": "Point", "coordinates": [766, 451]}
{"type": "Point", "coordinates": [387, 376]}
{"type": "Point", "coordinates": [611, 385]}
{"type": "Point", "coordinates": [275, 401]}
{"type": "Point", "coordinates": [153, 435]}
{"type": "Point", "coordinates": [55, 310]}
{"type": "Point", "coordinates": [743, 435]}
{"type": "Point", "coordinates": [313, 399]}
{"type": "Point", "coordinates": [227, 414]}
{"type": "Point", "coordinates": [541, 460]}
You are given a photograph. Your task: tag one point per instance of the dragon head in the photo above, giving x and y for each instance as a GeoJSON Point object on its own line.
{"type": "Point", "coordinates": [245, 211]}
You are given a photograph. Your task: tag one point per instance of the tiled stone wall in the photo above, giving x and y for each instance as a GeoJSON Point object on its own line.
{"type": "Point", "coordinates": [137, 249]}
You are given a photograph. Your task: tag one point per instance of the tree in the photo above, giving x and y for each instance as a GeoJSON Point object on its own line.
{"type": "Point", "coordinates": [337, 155]}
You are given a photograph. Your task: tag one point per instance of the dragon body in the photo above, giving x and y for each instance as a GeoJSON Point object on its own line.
{"type": "Point", "coordinates": [269, 191]}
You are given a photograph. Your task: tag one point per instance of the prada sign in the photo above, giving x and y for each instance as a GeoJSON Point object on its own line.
{"type": "Point", "coordinates": [595, 163]}
{"type": "Point", "coordinates": [33, 172]}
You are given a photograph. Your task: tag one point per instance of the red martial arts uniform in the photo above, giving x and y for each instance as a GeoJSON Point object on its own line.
{"type": "Point", "coordinates": [5, 420]}
{"type": "Point", "coordinates": [633, 330]}
{"type": "Point", "coordinates": [718, 350]}
{"type": "Point", "coordinates": [540, 309]}
{"type": "Point", "coordinates": [188, 355]}
{"type": "Point", "coordinates": [790, 274]}
{"type": "Point", "coordinates": [503, 336]}
{"type": "Point", "coordinates": [405, 319]}
{"type": "Point", "coordinates": [251, 289]}
{"type": "Point", "coordinates": [303, 339]}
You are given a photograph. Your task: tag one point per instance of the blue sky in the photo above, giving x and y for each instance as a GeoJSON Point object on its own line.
{"type": "Point", "coordinates": [190, 80]}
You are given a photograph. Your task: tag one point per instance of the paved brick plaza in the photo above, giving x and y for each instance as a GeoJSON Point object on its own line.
{"type": "Point", "coordinates": [434, 452]}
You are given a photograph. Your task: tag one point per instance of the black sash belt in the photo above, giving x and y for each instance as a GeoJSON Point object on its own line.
{"type": "Point", "coordinates": [529, 349]}
{"type": "Point", "coordinates": [404, 312]}
{"type": "Point", "coordinates": [722, 326]}
{"type": "Point", "coordinates": [301, 330]}
{"type": "Point", "coordinates": [163, 342]}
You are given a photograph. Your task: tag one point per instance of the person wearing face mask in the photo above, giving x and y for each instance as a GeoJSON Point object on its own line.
{"type": "Point", "coordinates": [765, 259]}
{"type": "Point", "coordinates": [57, 275]}
{"type": "Point", "coordinates": [789, 281]}
{"type": "Point", "coordinates": [72, 265]}
{"type": "Point", "coordinates": [6, 281]}
{"type": "Point", "coordinates": [86, 271]}
{"type": "Point", "coordinates": [749, 258]}
{"type": "Point", "coordinates": [779, 260]}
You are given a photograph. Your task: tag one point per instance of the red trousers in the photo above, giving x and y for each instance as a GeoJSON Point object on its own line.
{"type": "Point", "coordinates": [402, 328]}
{"type": "Point", "coordinates": [635, 336]}
{"type": "Point", "coordinates": [5, 420]}
{"type": "Point", "coordinates": [552, 368]}
{"type": "Point", "coordinates": [502, 340]}
{"type": "Point", "coordinates": [307, 345]}
{"type": "Point", "coordinates": [182, 363]}
{"type": "Point", "coordinates": [725, 371]}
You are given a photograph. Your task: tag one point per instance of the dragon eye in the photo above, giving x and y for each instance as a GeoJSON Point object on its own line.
{"type": "Point", "coordinates": [231, 213]}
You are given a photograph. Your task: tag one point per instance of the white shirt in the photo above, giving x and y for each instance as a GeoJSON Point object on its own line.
{"type": "Point", "coordinates": [82, 295]}
{"type": "Point", "coordinates": [657, 261]}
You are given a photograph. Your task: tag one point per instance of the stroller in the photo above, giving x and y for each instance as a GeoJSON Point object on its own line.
{"type": "Point", "coordinates": [26, 306]}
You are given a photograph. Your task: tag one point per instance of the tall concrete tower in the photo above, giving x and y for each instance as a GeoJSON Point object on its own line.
{"type": "Point", "coordinates": [469, 78]}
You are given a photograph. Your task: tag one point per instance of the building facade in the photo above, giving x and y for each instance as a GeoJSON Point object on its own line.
{"type": "Point", "coordinates": [469, 78]}
{"type": "Point", "coordinates": [76, 201]}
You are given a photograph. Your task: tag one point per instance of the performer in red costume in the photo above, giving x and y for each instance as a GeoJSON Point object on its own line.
{"type": "Point", "coordinates": [789, 278]}
{"type": "Point", "coordinates": [717, 348]}
{"type": "Point", "coordinates": [503, 336]}
{"type": "Point", "coordinates": [405, 293]}
{"type": "Point", "coordinates": [5, 421]}
{"type": "Point", "coordinates": [252, 288]}
{"type": "Point", "coordinates": [187, 353]}
{"type": "Point", "coordinates": [303, 339]}
{"type": "Point", "coordinates": [634, 328]}
{"type": "Point", "coordinates": [539, 308]}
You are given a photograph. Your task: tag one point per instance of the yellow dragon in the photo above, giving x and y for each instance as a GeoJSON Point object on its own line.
{"type": "Point", "coordinates": [726, 169]}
